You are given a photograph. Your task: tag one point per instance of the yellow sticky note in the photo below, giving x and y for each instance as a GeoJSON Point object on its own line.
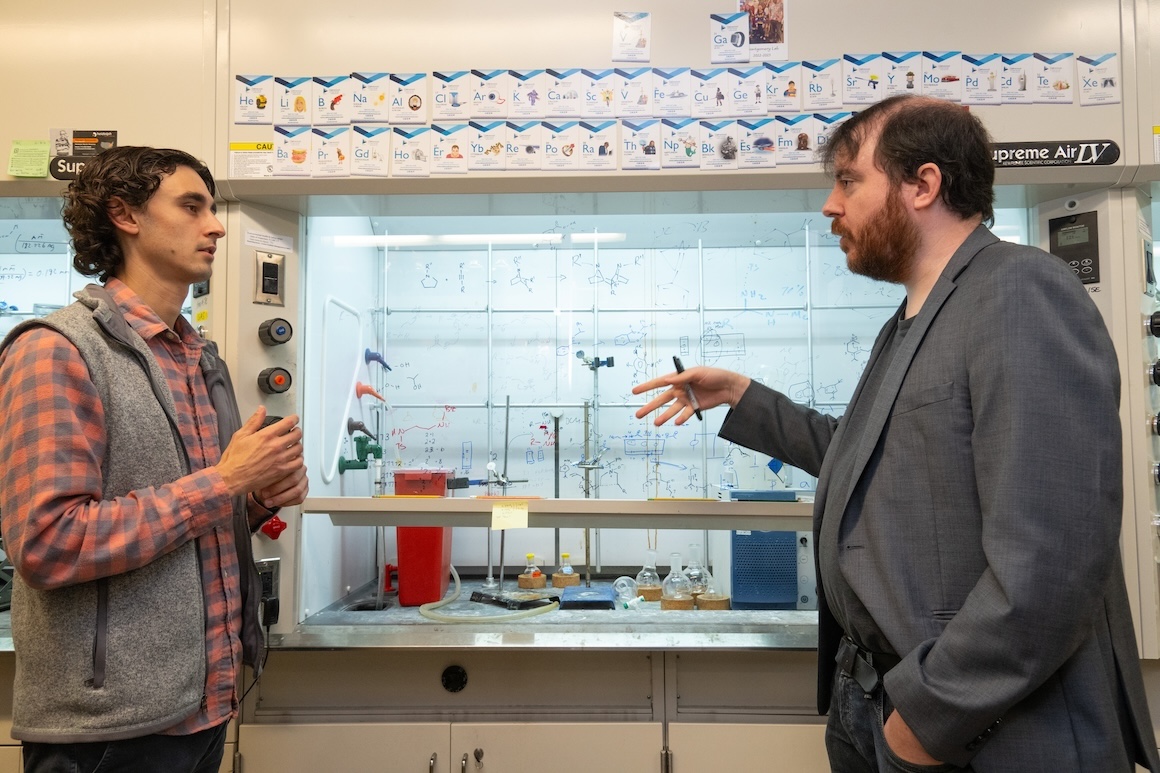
{"type": "Point", "coordinates": [29, 158]}
{"type": "Point", "coordinates": [509, 515]}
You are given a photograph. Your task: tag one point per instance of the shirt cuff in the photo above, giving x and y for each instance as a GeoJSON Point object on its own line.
{"type": "Point", "coordinates": [257, 513]}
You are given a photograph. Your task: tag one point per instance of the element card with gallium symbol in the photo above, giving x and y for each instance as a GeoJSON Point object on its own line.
{"type": "Point", "coordinates": [728, 38]}
{"type": "Point", "coordinates": [331, 100]}
{"type": "Point", "coordinates": [451, 95]}
{"type": "Point", "coordinates": [408, 98]}
{"type": "Point", "coordinates": [252, 99]}
{"type": "Point", "coordinates": [981, 79]}
{"type": "Point", "coordinates": [1099, 79]}
{"type": "Point", "coordinates": [292, 97]}
{"type": "Point", "coordinates": [370, 150]}
{"type": "Point", "coordinates": [631, 36]}
{"type": "Point", "coordinates": [411, 151]}
{"type": "Point", "coordinates": [368, 97]}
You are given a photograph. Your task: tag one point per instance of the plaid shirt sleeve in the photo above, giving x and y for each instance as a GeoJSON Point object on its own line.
{"type": "Point", "coordinates": [57, 529]}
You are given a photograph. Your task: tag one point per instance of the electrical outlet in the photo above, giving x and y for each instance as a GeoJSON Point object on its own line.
{"type": "Point", "coordinates": [268, 571]}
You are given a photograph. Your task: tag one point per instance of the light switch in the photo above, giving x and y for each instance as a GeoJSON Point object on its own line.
{"type": "Point", "coordinates": [268, 284]}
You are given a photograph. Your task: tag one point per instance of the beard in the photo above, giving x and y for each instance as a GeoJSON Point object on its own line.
{"type": "Point", "coordinates": [885, 248]}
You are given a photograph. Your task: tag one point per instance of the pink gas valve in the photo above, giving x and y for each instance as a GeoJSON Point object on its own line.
{"type": "Point", "coordinates": [273, 527]}
{"type": "Point", "coordinates": [361, 389]}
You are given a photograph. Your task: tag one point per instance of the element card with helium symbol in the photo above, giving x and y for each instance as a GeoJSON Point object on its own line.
{"type": "Point", "coordinates": [598, 93]}
{"type": "Point", "coordinates": [1099, 79]}
{"type": "Point", "coordinates": [599, 145]}
{"type": "Point", "coordinates": [525, 146]}
{"type": "Point", "coordinates": [451, 95]}
{"type": "Point", "coordinates": [292, 96]}
{"type": "Point", "coordinates": [491, 90]}
{"type": "Point", "coordinates": [368, 97]}
{"type": "Point", "coordinates": [981, 79]}
{"type": "Point", "coordinates": [640, 141]}
{"type": "Point", "coordinates": [291, 151]}
{"type": "Point", "coordinates": [331, 100]}
{"type": "Point", "coordinates": [902, 71]}
{"type": "Point", "coordinates": [942, 75]}
{"type": "Point", "coordinates": [757, 148]}
{"type": "Point", "coordinates": [794, 137]}
{"type": "Point", "coordinates": [488, 146]}
{"type": "Point", "coordinates": [1054, 78]}
{"type": "Point", "coordinates": [331, 151]}
{"type": "Point", "coordinates": [680, 143]}
{"type": "Point", "coordinates": [252, 96]}
{"type": "Point", "coordinates": [370, 151]}
{"type": "Point", "coordinates": [561, 145]}
{"type": "Point", "coordinates": [711, 93]}
{"type": "Point", "coordinates": [634, 92]}
{"type": "Point", "coordinates": [408, 98]}
{"type": "Point", "coordinates": [728, 38]}
{"type": "Point", "coordinates": [529, 94]}
{"type": "Point", "coordinates": [564, 93]}
{"type": "Point", "coordinates": [671, 88]}
{"type": "Point", "coordinates": [783, 87]}
{"type": "Point", "coordinates": [450, 148]}
{"type": "Point", "coordinates": [411, 151]}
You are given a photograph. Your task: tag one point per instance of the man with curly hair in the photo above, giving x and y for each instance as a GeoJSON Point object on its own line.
{"type": "Point", "coordinates": [131, 488]}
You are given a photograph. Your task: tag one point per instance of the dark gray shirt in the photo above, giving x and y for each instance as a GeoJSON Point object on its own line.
{"type": "Point", "coordinates": [843, 601]}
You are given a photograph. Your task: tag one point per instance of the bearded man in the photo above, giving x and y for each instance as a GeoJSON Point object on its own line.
{"type": "Point", "coordinates": [972, 611]}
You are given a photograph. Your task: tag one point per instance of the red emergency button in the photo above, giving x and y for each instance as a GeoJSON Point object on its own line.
{"type": "Point", "coordinates": [274, 381]}
{"type": "Point", "coordinates": [273, 527]}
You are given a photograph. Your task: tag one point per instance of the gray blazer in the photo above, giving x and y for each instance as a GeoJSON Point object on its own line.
{"type": "Point", "coordinates": [986, 549]}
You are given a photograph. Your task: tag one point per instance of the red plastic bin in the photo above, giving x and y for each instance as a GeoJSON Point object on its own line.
{"type": "Point", "coordinates": [424, 551]}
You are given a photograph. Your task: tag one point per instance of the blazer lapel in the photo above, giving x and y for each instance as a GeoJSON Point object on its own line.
{"type": "Point", "coordinates": [903, 355]}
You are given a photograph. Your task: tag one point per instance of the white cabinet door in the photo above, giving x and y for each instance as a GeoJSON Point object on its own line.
{"type": "Point", "coordinates": [561, 747]}
{"type": "Point", "coordinates": [350, 748]}
{"type": "Point", "coordinates": [712, 748]}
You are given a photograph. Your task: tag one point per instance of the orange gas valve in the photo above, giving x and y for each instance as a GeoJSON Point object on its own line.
{"type": "Point", "coordinates": [273, 527]}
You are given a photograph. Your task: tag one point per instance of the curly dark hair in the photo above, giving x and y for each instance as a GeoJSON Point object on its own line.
{"type": "Point", "coordinates": [129, 174]}
{"type": "Point", "coordinates": [922, 130]}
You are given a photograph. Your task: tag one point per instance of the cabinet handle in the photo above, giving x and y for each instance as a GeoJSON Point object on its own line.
{"type": "Point", "coordinates": [463, 763]}
{"type": "Point", "coordinates": [431, 765]}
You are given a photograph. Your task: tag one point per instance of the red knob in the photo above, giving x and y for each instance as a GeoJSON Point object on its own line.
{"type": "Point", "coordinates": [273, 527]}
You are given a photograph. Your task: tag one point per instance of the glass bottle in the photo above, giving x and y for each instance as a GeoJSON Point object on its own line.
{"type": "Point", "coordinates": [531, 570]}
{"type": "Point", "coordinates": [699, 579]}
{"type": "Point", "coordinates": [676, 585]}
{"type": "Point", "coordinates": [566, 564]}
{"type": "Point", "coordinates": [648, 580]}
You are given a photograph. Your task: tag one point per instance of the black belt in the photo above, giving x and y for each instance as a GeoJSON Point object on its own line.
{"type": "Point", "coordinates": [864, 667]}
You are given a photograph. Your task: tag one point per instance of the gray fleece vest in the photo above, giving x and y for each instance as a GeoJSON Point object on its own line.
{"type": "Point", "coordinates": [123, 656]}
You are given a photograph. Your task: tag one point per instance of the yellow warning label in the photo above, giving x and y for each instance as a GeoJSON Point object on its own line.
{"type": "Point", "coordinates": [251, 146]}
{"type": "Point", "coordinates": [201, 316]}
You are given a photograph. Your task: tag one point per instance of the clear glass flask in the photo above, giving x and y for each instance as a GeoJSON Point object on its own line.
{"type": "Point", "coordinates": [676, 585]}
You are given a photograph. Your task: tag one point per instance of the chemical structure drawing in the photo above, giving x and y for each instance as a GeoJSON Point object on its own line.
{"type": "Point", "coordinates": [519, 278]}
{"type": "Point", "coordinates": [429, 282]}
{"type": "Point", "coordinates": [616, 279]}
{"type": "Point", "coordinates": [856, 351]}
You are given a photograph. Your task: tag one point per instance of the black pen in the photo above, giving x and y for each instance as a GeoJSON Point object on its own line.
{"type": "Point", "coordinates": [688, 389]}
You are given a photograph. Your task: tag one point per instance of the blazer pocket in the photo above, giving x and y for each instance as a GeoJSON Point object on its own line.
{"type": "Point", "coordinates": [920, 398]}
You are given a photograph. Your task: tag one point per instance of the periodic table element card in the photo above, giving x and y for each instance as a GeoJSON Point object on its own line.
{"type": "Point", "coordinates": [525, 146]}
{"type": "Point", "coordinates": [450, 148]}
{"type": "Point", "coordinates": [1016, 84]}
{"type": "Point", "coordinates": [529, 94]}
{"type": "Point", "coordinates": [942, 75]}
{"type": "Point", "coordinates": [640, 140]}
{"type": "Point", "coordinates": [293, 98]}
{"type": "Point", "coordinates": [564, 93]}
{"type": "Point", "coordinates": [561, 145]}
{"type": "Point", "coordinates": [783, 87]}
{"type": "Point", "coordinates": [490, 93]}
{"type": "Point", "coordinates": [451, 95]}
{"type": "Point", "coordinates": [982, 74]}
{"type": "Point", "coordinates": [794, 137]}
{"type": "Point", "coordinates": [719, 146]}
{"type": "Point", "coordinates": [728, 38]}
{"type": "Point", "coordinates": [488, 146]}
{"type": "Point", "coordinates": [634, 92]}
{"type": "Point", "coordinates": [823, 84]}
{"type": "Point", "coordinates": [408, 99]}
{"type": "Point", "coordinates": [370, 150]}
{"type": "Point", "coordinates": [599, 93]}
{"type": "Point", "coordinates": [253, 95]}
{"type": "Point", "coordinates": [671, 92]}
{"type": "Point", "coordinates": [599, 145]}
{"type": "Point", "coordinates": [711, 93]}
{"type": "Point", "coordinates": [756, 146]}
{"type": "Point", "coordinates": [864, 78]}
{"type": "Point", "coordinates": [1054, 78]}
{"type": "Point", "coordinates": [680, 143]}
{"type": "Point", "coordinates": [902, 72]}
{"type": "Point", "coordinates": [748, 89]}
{"type": "Point", "coordinates": [411, 151]}
{"type": "Point", "coordinates": [369, 92]}
{"type": "Point", "coordinates": [1099, 79]}
{"type": "Point", "coordinates": [330, 151]}
{"type": "Point", "coordinates": [331, 100]}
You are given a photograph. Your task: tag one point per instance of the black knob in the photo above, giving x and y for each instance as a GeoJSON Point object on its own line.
{"type": "Point", "coordinates": [1152, 324]}
{"type": "Point", "coordinates": [274, 332]}
{"type": "Point", "coordinates": [1156, 424]}
{"type": "Point", "coordinates": [1156, 474]}
{"type": "Point", "coordinates": [454, 678]}
{"type": "Point", "coordinates": [1155, 373]}
{"type": "Point", "coordinates": [274, 381]}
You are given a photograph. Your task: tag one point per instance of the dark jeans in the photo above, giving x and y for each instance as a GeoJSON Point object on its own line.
{"type": "Point", "coordinates": [197, 753]}
{"type": "Point", "coordinates": [854, 739]}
